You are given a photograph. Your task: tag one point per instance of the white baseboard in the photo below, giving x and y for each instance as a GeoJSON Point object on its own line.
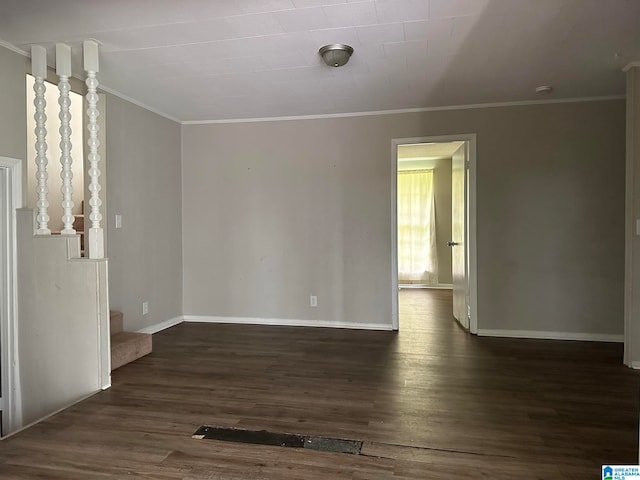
{"type": "Point", "coordinates": [635, 365]}
{"type": "Point", "coordinates": [158, 327]}
{"type": "Point", "coordinates": [287, 322]}
{"type": "Point", "coordinates": [585, 337]}
{"type": "Point", "coordinates": [439, 286]}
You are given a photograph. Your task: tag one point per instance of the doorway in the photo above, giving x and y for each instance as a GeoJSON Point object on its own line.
{"type": "Point", "coordinates": [10, 200]}
{"type": "Point", "coordinates": [454, 249]}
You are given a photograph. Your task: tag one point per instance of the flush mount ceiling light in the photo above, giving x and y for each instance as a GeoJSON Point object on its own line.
{"type": "Point", "coordinates": [336, 54]}
{"type": "Point", "coordinates": [544, 89]}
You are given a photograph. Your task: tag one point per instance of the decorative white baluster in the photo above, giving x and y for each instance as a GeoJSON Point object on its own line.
{"type": "Point", "coordinates": [39, 72]}
{"type": "Point", "coordinates": [63, 69]}
{"type": "Point", "coordinates": [96, 234]}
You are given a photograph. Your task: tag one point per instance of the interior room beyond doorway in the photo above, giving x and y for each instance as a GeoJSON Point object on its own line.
{"type": "Point", "coordinates": [425, 214]}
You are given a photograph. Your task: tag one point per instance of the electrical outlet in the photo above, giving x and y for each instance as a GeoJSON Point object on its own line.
{"type": "Point", "coordinates": [313, 301]}
{"type": "Point", "coordinates": [145, 308]}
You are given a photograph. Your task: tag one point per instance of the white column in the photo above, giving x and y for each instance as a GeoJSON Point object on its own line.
{"type": "Point", "coordinates": [63, 69]}
{"type": "Point", "coordinates": [91, 66]}
{"type": "Point", "coordinates": [39, 72]}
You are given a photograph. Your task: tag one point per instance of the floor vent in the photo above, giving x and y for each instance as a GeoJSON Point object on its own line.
{"type": "Point", "coordinates": [264, 437]}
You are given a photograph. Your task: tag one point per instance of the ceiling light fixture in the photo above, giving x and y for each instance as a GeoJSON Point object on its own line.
{"type": "Point", "coordinates": [336, 54]}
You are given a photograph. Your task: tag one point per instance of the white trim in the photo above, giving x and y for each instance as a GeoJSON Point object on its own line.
{"type": "Point", "coordinates": [158, 327]}
{"type": "Point", "coordinates": [631, 65]}
{"type": "Point", "coordinates": [395, 309]}
{"type": "Point", "coordinates": [439, 286]}
{"type": "Point", "coordinates": [583, 337]}
{"type": "Point", "coordinates": [635, 365]}
{"type": "Point", "coordinates": [115, 93]}
{"type": "Point", "coordinates": [103, 88]}
{"type": "Point", "coordinates": [470, 139]}
{"type": "Point", "coordinates": [288, 322]}
{"type": "Point", "coordinates": [13, 48]}
{"type": "Point", "coordinates": [630, 219]}
{"type": "Point", "coordinates": [472, 235]}
{"type": "Point", "coordinates": [12, 413]}
{"type": "Point", "coordinates": [409, 110]}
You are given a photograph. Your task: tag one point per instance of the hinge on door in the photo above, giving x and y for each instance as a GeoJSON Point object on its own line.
{"type": "Point", "coordinates": [467, 164]}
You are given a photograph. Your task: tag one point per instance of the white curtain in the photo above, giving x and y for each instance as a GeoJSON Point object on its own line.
{"type": "Point", "coordinates": [417, 259]}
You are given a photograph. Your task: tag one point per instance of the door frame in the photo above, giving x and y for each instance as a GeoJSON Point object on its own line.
{"type": "Point", "coordinates": [11, 404]}
{"type": "Point", "coordinates": [471, 224]}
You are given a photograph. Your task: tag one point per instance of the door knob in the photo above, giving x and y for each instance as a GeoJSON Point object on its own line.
{"type": "Point", "coordinates": [452, 244]}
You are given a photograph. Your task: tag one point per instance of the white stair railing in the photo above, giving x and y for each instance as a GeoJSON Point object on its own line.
{"type": "Point", "coordinates": [91, 66]}
{"type": "Point", "coordinates": [63, 69]}
{"type": "Point", "coordinates": [39, 72]}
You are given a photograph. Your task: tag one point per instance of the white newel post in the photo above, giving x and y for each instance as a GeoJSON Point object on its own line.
{"type": "Point", "coordinates": [39, 72]}
{"type": "Point", "coordinates": [91, 66]}
{"type": "Point", "coordinates": [63, 69]}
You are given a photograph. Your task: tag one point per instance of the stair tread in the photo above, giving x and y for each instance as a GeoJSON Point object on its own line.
{"type": "Point", "coordinates": [126, 336]}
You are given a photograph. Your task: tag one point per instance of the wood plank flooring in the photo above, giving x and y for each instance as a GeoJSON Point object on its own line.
{"type": "Point", "coordinates": [429, 402]}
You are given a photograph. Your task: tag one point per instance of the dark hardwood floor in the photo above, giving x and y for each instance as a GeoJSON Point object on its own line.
{"type": "Point", "coordinates": [429, 402]}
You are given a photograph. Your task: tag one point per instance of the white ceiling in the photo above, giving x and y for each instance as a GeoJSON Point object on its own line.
{"type": "Point", "coordinates": [233, 59]}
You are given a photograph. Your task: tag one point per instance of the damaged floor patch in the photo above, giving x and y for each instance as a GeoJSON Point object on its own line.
{"type": "Point", "coordinates": [264, 437]}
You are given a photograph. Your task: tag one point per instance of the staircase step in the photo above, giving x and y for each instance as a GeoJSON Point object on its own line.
{"type": "Point", "coordinates": [129, 346]}
{"type": "Point", "coordinates": [116, 322]}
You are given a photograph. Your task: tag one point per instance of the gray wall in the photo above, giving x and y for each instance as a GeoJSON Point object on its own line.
{"type": "Point", "coordinates": [13, 120]}
{"type": "Point", "coordinates": [143, 178]}
{"type": "Point", "coordinates": [143, 172]}
{"type": "Point", "coordinates": [274, 211]}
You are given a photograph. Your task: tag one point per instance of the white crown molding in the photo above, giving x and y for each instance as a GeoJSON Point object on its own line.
{"type": "Point", "coordinates": [288, 322]}
{"type": "Point", "coordinates": [13, 48]}
{"type": "Point", "coordinates": [631, 65]}
{"type": "Point", "coordinates": [102, 88]}
{"type": "Point", "coordinates": [344, 115]}
{"type": "Point", "coordinates": [584, 337]}
{"type": "Point", "coordinates": [122, 96]}
{"type": "Point", "coordinates": [410, 110]}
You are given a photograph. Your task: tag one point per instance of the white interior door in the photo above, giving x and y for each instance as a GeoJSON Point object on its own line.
{"type": "Point", "coordinates": [458, 242]}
